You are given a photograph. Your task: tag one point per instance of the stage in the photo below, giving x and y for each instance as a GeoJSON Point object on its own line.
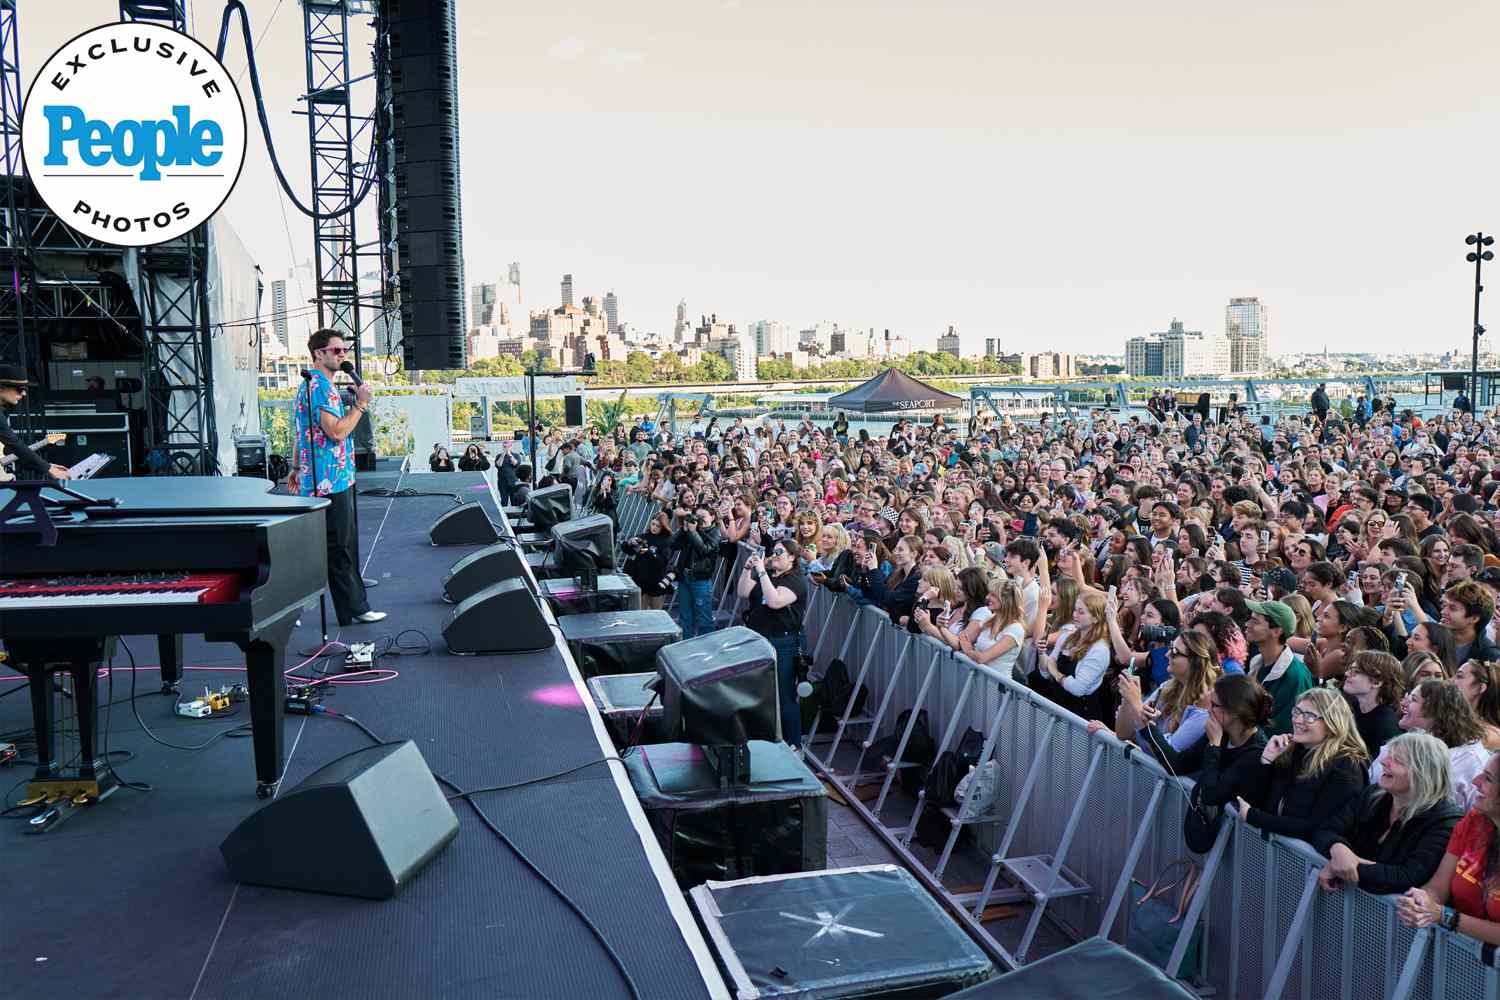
{"type": "Point", "coordinates": [130, 898]}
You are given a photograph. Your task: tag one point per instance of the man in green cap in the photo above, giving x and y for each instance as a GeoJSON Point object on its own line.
{"type": "Point", "coordinates": [1280, 671]}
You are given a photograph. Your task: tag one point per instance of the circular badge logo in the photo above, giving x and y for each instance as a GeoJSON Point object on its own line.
{"type": "Point", "coordinates": [133, 134]}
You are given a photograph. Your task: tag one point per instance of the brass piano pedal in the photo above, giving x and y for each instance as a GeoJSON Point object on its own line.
{"type": "Point", "coordinates": [82, 799]}
{"type": "Point", "coordinates": [34, 800]}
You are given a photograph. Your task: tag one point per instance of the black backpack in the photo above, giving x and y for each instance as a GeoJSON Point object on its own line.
{"type": "Point", "coordinates": [950, 767]}
{"type": "Point", "coordinates": [919, 749]}
{"type": "Point", "coordinates": [838, 689]}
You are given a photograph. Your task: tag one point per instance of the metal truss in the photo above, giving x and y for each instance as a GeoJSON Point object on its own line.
{"type": "Point", "coordinates": [333, 132]}
{"type": "Point", "coordinates": [181, 438]}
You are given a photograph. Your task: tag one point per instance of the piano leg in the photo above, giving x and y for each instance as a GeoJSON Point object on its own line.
{"type": "Point", "coordinates": [265, 659]}
{"type": "Point", "coordinates": [169, 652]}
{"type": "Point", "coordinates": [86, 704]}
{"type": "Point", "coordinates": [41, 717]}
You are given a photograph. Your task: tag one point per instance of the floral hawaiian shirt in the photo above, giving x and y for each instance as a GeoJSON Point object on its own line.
{"type": "Point", "coordinates": [332, 460]}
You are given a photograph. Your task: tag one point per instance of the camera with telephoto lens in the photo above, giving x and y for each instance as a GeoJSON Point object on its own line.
{"type": "Point", "coordinates": [1159, 633]}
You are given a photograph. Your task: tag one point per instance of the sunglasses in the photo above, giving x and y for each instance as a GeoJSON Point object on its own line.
{"type": "Point", "coordinates": [335, 350]}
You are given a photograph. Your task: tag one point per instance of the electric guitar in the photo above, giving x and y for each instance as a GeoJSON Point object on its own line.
{"type": "Point", "coordinates": [7, 461]}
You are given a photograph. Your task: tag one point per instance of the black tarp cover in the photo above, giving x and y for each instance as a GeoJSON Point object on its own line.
{"type": "Point", "coordinates": [894, 391]}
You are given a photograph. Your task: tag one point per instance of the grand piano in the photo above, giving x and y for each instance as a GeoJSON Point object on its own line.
{"type": "Point", "coordinates": [217, 556]}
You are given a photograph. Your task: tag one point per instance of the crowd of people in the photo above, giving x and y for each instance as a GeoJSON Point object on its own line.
{"type": "Point", "coordinates": [1298, 614]}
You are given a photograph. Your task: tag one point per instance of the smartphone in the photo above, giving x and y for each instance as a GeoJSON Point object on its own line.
{"type": "Point", "coordinates": [1353, 578]}
{"type": "Point", "coordinates": [1265, 539]}
{"type": "Point", "coordinates": [947, 608]}
{"type": "Point", "coordinates": [1114, 591]}
{"type": "Point", "coordinates": [1401, 581]}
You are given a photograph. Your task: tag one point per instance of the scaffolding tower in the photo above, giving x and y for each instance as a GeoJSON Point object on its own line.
{"type": "Point", "coordinates": [181, 438]}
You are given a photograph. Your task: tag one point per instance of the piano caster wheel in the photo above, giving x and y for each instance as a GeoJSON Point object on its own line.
{"type": "Point", "coordinates": [264, 790]}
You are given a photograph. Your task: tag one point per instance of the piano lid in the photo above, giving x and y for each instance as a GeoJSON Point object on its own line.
{"type": "Point", "coordinates": [180, 496]}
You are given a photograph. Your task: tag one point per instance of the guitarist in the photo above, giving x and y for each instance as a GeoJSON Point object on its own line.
{"type": "Point", "coordinates": [13, 386]}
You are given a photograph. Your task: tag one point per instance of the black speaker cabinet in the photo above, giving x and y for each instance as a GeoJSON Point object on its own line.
{"type": "Point", "coordinates": [466, 524]}
{"type": "Point", "coordinates": [502, 618]}
{"type": "Point", "coordinates": [573, 409]}
{"type": "Point", "coordinates": [478, 570]}
{"type": "Point", "coordinates": [380, 808]}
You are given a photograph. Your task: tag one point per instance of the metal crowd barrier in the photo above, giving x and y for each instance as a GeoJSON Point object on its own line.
{"type": "Point", "coordinates": [1077, 818]}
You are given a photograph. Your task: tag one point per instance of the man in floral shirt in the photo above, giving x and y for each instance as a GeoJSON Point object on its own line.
{"type": "Point", "coordinates": [323, 465]}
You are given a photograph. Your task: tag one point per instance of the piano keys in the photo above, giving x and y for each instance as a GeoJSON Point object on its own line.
{"type": "Point", "coordinates": [220, 557]}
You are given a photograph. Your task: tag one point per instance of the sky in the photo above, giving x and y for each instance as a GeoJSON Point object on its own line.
{"type": "Point", "coordinates": [1061, 176]}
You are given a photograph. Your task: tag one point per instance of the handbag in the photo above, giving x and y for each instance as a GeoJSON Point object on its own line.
{"type": "Point", "coordinates": [1200, 824]}
{"type": "Point", "coordinates": [1156, 918]}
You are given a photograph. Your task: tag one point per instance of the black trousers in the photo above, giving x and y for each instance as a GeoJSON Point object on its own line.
{"type": "Point", "coordinates": [344, 580]}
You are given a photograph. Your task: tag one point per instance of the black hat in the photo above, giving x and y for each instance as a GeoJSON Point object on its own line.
{"type": "Point", "coordinates": [14, 375]}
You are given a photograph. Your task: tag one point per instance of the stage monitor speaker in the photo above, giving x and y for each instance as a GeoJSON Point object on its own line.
{"type": "Point", "coordinates": [720, 689]}
{"type": "Point", "coordinates": [573, 409]}
{"type": "Point", "coordinates": [381, 809]}
{"type": "Point", "coordinates": [478, 570]}
{"type": "Point", "coordinates": [429, 235]}
{"type": "Point", "coordinates": [548, 506]}
{"type": "Point", "coordinates": [502, 618]}
{"type": "Point", "coordinates": [466, 524]}
{"type": "Point", "coordinates": [584, 546]}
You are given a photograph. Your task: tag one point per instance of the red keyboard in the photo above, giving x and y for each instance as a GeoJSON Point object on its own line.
{"type": "Point", "coordinates": [118, 589]}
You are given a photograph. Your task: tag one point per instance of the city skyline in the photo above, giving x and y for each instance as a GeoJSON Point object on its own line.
{"type": "Point", "coordinates": [1065, 179]}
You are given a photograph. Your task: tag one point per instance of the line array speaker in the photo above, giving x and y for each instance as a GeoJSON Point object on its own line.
{"type": "Point", "coordinates": [429, 236]}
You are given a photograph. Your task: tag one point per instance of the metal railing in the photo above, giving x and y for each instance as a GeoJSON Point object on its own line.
{"type": "Point", "coordinates": [1079, 817]}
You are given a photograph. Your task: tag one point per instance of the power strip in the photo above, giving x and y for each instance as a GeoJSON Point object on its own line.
{"type": "Point", "coordinates": [360, 656]}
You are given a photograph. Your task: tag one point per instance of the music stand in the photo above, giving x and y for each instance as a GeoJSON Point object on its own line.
{"type": "Point", "coordinates": [29, 501]}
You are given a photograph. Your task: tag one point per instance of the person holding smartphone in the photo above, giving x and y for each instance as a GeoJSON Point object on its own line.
{"type": "Point", "coordinates": [774, 590]}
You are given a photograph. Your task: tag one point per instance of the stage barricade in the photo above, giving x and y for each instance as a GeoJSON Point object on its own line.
{"type": "Point", "coordinates": [1077, 818]}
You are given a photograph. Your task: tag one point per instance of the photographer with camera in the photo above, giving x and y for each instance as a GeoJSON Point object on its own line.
{"type": "Point", "coordinates": [697, 538]}
{"type": "Point", "coordinates": [647, 557]}
{"type": "Point", "coordinates": [1160, 624]}
{"type": "Point", "coordinates": [774, 589]}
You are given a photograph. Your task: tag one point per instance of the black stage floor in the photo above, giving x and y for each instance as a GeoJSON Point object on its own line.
{"type": "Point", "coordinates": [130, 897]}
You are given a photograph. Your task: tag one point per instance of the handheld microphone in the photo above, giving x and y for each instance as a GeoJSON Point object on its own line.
{"type": "Point", "coordinates": [306, 375]}
{"type": "Point", "coordinates": [348, 369]}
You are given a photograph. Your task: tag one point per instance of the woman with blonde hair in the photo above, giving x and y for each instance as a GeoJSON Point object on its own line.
{"type": "Point", "coordinates": [960, 555]}
{"type": "Point", "coordinates": [1307, 625]}
{"type": "Point", "coordinates": [833, 541]}
{"type": "Point", "coordinates": [1071, 675]}
{"type": "Point", "coordinates": [1314, 771]}
{"type": "Point", "coordinates": [998, 639]}
{"type": "Point", "coordinates": [1065, 592]}
{"type": "Point", "coordinates": [1393, 835]}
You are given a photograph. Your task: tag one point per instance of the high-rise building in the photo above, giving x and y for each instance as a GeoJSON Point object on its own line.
{"type": "Point", "coordinates": [279, 325]}
{"type": "Point", "coordinates": [1177, 353]}
{"type": "Point", "coordinates": [772, 337]}
{"type": "Point", "coordinates": [948, 343]}
{"type": "Point", "coordinates": [612, 312]}
{"type": "Point", "coordinates": [515, 279]}
{"type": "Point", "coordinates": [567, 290]}
{"type": "Point", "coordinates": [680, 328]}
{"type": "Point", "coordinates": [1245, 329]}
{"type": "Point", "coordinates": [992, 347]}
{"type": "Point", "coordinates": [482, 299]}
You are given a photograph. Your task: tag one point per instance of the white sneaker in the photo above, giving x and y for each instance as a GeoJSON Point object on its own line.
{"type": "Point", "coordinates": [369, 617]}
